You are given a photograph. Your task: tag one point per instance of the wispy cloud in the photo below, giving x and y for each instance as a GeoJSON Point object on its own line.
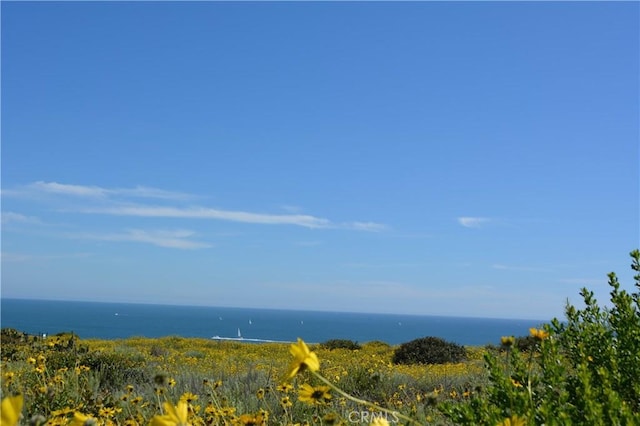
{"type": "Point", "coordinates": [179, 239]}
{"type": "Point", "coordinates": [473, 222]}
{"type": "Point", "coordinates": [209, 213]}
{"type": "Point", "coordinates": [56, 188]}
{"type": "Point", "coordinates": [11, 217]}
{"type": "Point", "coordinates": [126, 202]}
{"type": "Point", "coordinates": [64, 189]}
{"type": "Point", "coordinates": [366, 226]}
{"type": "Point", "coordinates": [504, 267]}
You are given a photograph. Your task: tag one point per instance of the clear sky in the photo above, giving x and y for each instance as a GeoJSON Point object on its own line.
{"type": "Point", "coordinates": [465, 159]}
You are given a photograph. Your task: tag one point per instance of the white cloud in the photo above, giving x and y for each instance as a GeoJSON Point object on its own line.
{"type": "Point", "coordinates": [209, 213]}
{"type": "Point", "coordinates": [472, 222]}
{"type": "Point", "coordinates": [366, 226]}
{"type": "Point", "coordinates": [119, 202]}
{"type": "Point", "coordinates": [99, 192]}
{"type": "Point", "coordinates": [64, 189]}
{"type": "Point", "coordinates": [11, 217]}
{"type": "Point", "coordinates": [503, 267]}
{"type": "Point", "coordinates": [148, 192]}
{"type": "Point", "coordinates": [171, 239]}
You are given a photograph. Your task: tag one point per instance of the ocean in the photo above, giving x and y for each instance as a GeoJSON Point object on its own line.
{"type": "Point", "coordinates": [122, 320]}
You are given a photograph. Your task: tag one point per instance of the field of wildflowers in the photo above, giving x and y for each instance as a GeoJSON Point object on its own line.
{"type": "Point", "coordinates": [64, 380]}
{"type": "Point", "coordinates": [584, 370]}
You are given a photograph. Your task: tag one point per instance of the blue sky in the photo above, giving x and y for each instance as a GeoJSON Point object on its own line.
{"type": "Point", "coordinates": [466, 159]}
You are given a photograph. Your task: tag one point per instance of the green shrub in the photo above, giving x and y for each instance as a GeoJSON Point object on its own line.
{"type": "Point", "coordinates": [526, 343]}
{"type": "Point", "coordinates": [584, 371]}
{"type": "Point", "coordinates": [429, 350]}
{"type": "Point", "coordinates": [363, 383]}
{"type": "Point", "coordinates": [115, 370]}
{"type": "Point", "coordinates": [340, 344]}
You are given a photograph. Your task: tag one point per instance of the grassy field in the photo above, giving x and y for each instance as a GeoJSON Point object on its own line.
{"type": "Point", "coordinates": [128, 381]}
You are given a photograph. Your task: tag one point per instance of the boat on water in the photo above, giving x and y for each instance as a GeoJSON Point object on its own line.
{"type": "Point", "coordinates": [248, 339]}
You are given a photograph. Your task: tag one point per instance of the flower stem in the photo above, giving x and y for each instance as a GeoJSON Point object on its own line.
{"type": "Point", "coordinates": [362, 401]}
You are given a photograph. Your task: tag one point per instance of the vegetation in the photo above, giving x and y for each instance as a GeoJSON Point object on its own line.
{"type": "Point", "coordinates": [340, 344]}
{"type": "Point", "coordinates": [429, 350]}
{"type": "Point", "coordinates": [584, 370]}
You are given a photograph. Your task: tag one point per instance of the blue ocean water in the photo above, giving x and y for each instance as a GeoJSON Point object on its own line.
{"type": "Point", "coordinates": [122, 320]}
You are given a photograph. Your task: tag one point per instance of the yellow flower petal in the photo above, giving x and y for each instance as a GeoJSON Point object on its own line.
{"type": "Point", "coordinates": [11, 409]}
{"type": "Point", "coordinates": [302, 358]}
{"type": "Point", "coordinates": [538, 334]}
{"type": "Point", "coordinates": [80, 419]}
{"type": "Point", "coordinates": [174, 416]}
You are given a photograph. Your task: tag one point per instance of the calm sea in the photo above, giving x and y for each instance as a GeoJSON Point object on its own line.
{"type": "Point", "coordinates": [122, 320]}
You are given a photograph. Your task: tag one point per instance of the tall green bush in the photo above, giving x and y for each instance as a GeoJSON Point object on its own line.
{"type": "Point", "coordinates": [583, 371]}
{"type": "Point", "coordinates": [429, 350]}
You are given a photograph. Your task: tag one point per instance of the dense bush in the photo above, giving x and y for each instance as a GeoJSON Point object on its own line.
{"type": "Point", "coordinates": [340, 344]}
{"type": "Point", "coordinates": [429, 350]}
{"type": "Point", "coordinates": [583, 371]}
{"type": "Point", "coordinates": [526, 343]}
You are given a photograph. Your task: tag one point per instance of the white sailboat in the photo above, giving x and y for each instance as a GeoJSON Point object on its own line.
{"type": "Point", "coordinates": [239, 334]}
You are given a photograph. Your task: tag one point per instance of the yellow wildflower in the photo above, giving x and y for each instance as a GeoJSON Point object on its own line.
{"type": "Point", "coordinates": [507, 340]}
{"type": "Point", "coordinates": [81, 369]}
{"type": "Point", "coordinates": [379, 421]}
{"type": "Point", "coordinates": [9, 376]}
{"type": "Point", "coordinates": [174, 416]}
{"type": "Point", "coordinates": [11, 409]}
{"type": "Point", "coordinates": [538, 333]}
{"type": "Point", "coordinates": [331, 418]}
{"type": "Point", "coordinates": [513, 421]}
{"type": "Point", "coordinates": [251, 419]}
{"type": "Point", "coordinates": [260, 393]}
{"type": "Point", "coordinates": [285, 402]}
{"type": "Point", "coordinates": [188, 397]}
{"type": "Point", "coordinates": [314, 395]}
{"type": "Point", "coordinates": [303, 358]}
{"type": "Point", "coordinates": [108, 412]}
{"type": "Point", "coordinates": [285, 387]}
